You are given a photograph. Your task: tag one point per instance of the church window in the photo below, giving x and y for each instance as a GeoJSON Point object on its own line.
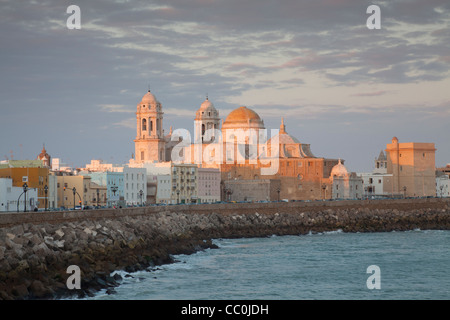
{"type": "Point", "coordinates": [142, 155]}
{"type": "Point", "coordinates": [144, 124]}
{"type": "Point", "coordinates": [151, 125]}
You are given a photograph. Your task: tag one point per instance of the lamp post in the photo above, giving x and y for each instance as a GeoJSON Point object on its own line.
{"type": "Point", "coordinates": [141, 193]}
{"type": "Point", "coordinates": [25, 189]}
{"type": "Point", "coordinates": [98, 196]}
{"type": "Point", "coordinates": [278, 190]}
{"type": "Point", "coordinates": [114, 189]}
{"type": "Point", "coordinates": [441, 187]}
{"type": "Point", "coordinates": [178, 196]}
{"type": "Point", "coordinates": [74, 190]}
{"type": "Point", "coordinates": [404, 192]}
{"type": "Point", "coordinates": [46, 199]}
{"type": "Point", "coordinates": [324, 188]}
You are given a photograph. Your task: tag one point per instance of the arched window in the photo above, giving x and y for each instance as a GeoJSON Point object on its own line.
{"type": "Point", "coordinates": [151, 125]}
{"type": "Point", "coordinates": [203, 129]}
{"type": "Point", "coordinates": [144, 124]}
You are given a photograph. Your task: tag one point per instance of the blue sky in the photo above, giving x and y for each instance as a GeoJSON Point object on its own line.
{"type": "Point", "coordinates": [340, 87]}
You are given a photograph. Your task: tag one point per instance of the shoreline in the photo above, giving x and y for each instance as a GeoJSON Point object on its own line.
{"type": "Point", "coordinates": [34, 256]}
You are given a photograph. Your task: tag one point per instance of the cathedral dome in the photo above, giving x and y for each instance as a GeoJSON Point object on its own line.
{"type": "Point", "coordinates": [339, 170]}
{"type": "Point", "coordinates": [206, 110]}
{"type": "Point", "coordinates": [149, 98]}
{"type": "Point", "coordinates": [244, 118]}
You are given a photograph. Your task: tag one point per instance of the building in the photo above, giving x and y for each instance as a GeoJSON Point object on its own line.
{"type": "Point", "coordinates": [31, 172]}
{"type": "Point", "coordinates": [150, 143]}
{"type": "Point", "coordinates": [164, 188]}
{"type": "Point", "coordinates": [412, 166]}
{"type": "Point", "coordinates": [134, 186]}
{"type": "Point", "coordinates": [302, 175]}
{"type": "Point", "coordinates": [45, 158]}
{"type": "Point", "coordinates": [239, 147]}
{"type": "Point", "coordinates": [208, 185]}
{"type": "Point", "coordinates": [251, 190]}
{"type": "Point", "coordinates": [445, 170]}
{"type": "Point", "coordinates": [100, 166]}
{"type": "Point", "coordinates": [345, 185]}
{"type": "Point", "coordinates": [184, 183]}
{"type": "Point", "coordinates": [442, 185]}
{"type": "Point", "coordinates": [377, 182]}
{"type": "Point", "coordinates": [14, 199]}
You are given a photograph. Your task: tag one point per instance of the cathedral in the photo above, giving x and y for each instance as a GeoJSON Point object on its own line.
{"type": "Point", "coordinates": [282, 166]}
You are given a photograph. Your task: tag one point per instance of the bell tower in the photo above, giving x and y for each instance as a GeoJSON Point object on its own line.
{"type": "Point", "coordinates": [149, 142]}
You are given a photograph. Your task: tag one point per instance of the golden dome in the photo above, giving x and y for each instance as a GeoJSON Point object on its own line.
{"type": "Point", "coordinates": [243, 117]}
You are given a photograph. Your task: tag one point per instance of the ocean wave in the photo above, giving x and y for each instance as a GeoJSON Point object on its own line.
{"type": "Point", "coordinates": [311, 233]}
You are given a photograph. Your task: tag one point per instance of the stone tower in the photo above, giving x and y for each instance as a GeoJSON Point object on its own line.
{"type": "Point", "coordinates": [149, 142]}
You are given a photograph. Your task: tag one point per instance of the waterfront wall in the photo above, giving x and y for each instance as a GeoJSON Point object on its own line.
{"type": "Point", "coordinates": [37, 248]}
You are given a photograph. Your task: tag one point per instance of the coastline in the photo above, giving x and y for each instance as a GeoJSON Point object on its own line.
{"type": "Point", "coordinates": [34, 256]}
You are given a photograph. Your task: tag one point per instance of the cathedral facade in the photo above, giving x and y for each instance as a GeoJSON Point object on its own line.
{"type": "Point", "coordinates": [241, 148]}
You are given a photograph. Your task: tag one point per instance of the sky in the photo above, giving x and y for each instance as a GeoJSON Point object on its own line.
{"type": "Point", "coordinates": [341, 87]}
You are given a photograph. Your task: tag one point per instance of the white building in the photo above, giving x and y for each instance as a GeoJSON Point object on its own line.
{"type": "Point", "coordinates": [52, 194]}
{"type": "Point", "coordinates": [13, 198]}
{"type": "Point", "coordinates": [135, 185]}
{"type": "Point", "coordinates": [376, 183]}
{"type": "Point", "coordinates": [164, 188]}
{"type": "Point", "coordinates": [442, 186]}
{"type": "Point", "coordinates": [345, 185]}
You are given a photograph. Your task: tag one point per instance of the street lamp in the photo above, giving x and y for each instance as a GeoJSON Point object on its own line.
{"type": "Point", "coordinates": [278, 190]}
{"type": "Point", "coordinates": [98, 196]}
{"type": "Point", "coordinates": [141, 193]}
{"type": "Point", "coordinates": [404, 192]}
{"type": "Point", "coordinates": [114, 189]}
{"type": "Point", "coordinates": [25, 189]}
{"type": "Point", "coordinates": [178, 196]}
{"type": "Point", "coordinates": [74, 190]}
{"type": "Point", "coordinates": [46, 199]}
{"type": "Point", "coordinates": [441, 187]}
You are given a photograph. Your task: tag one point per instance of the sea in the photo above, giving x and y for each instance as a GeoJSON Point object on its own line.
{"type": "Point", "coordinates": [403, 265]}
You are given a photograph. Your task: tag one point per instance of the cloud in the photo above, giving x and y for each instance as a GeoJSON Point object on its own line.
{"type": "Point", "coordinates": [370, 94]}
{"type": "Point", "coordinates": [113, 108]}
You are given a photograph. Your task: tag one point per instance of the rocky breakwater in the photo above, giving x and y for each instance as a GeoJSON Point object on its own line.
{"type": "Point", "coordinates": [34, 257]}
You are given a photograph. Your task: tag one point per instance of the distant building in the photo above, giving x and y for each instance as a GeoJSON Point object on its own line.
{"type": "Point", "coordinates": [164, 188]}
{"type": "Point", "coordinates": [135, 185]}
{"type": "Point", "coordinates": [442, 185]}
{"type": "Point", "coordinates": [184, 183]}
{"type": "Point", "coordinates": [251, 190]}
{"type": "Point", "coordinates": [376, 182]}
{"type": "Point", "coordinates": [445, 170]}
{"type": "Point", "coordinates": [31, 172]}
{"type": "Point", "coordinates": [208, 185]}
{"type": "Point", "coordinates": [412, 166]}
{"type": "Point", "coordinates": [13, 198]}
{"type": "Point", "coordinates": [45, 158]}
{"type": "Point", "coordinates": [345, 185]}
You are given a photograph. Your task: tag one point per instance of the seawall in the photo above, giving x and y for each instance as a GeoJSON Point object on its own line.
{"type": "Point", "coordinates": [37, 248]}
